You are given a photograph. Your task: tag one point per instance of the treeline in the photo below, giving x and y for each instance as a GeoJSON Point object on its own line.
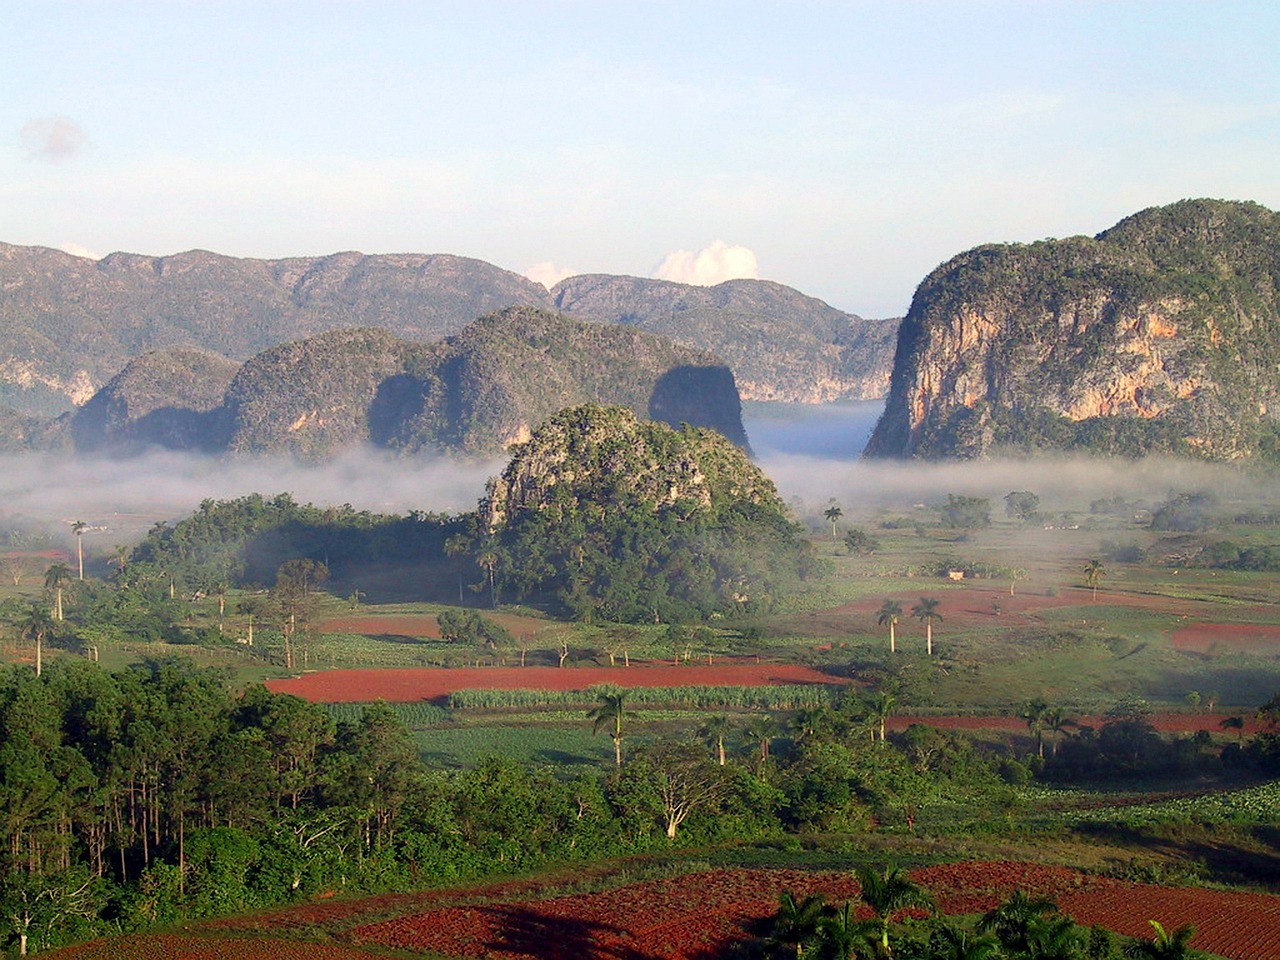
{"type": "Point", "coordinates": [244, 542]}
{"type": "Point", "coordinates": [144, 796]}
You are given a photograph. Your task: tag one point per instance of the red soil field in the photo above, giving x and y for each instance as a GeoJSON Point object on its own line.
{"type": "Point", "coordinates": [1211, 638]}
{"type": "Point", "coordinates": [689, 917]}
{"type": "Point", "coordinates": [970, 605]}
{"type": "Point", "coordinates": [169, 946]}
{"type": "Point", "coordinates": [414, 684]}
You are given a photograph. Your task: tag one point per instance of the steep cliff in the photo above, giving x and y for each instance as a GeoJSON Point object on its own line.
{"type": "Point", "coordinates": [781, 344]}
{"type": "Point", "coordinates": [1160, 334]}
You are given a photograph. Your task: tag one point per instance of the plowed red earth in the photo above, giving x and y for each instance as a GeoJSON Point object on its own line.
{"type": "Point", "coordinates": [182, 947]}
{"type": "Point", "coordinates": [694, 916]}
{"type": "Point", "coordinates": [971, 605]}
{"type": "Point", "coordinates": [414, 684]}
{"type": "Point", "coordinates": [1213, 638]}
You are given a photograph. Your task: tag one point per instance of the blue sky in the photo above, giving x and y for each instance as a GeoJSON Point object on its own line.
{"type": "Point", "coordinates": [844, 149]}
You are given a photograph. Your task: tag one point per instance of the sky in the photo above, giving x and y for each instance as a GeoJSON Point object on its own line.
{"type": "Point", "coordinates": [842, 148]}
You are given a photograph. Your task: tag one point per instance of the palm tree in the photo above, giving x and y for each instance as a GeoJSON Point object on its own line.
{"type": "Point", "coordinates": [488, 560]}
{"type": "Point", "coordinates": [1093, 571]}
{"type": "Point", "coordinates": [55, 578]}
{"type": "Point", "coordinates": [796, 922]}
{"type": "Point", "coordinates": [78, 527]}
{"type": "Point", "coordinates": [1035, 712]}
{"type": "Point", "coordinates": [890, 611]}
{"type": "Point", "coordinates": [833, 513]}
{"type": "Point", "coordinates": [952, 943]}
{"type": "Point", "coordinates": [840, 933]}
{"type": "Point", "coordinates": [762, 730]}
{"type": "Point", "coordinates": [886, 892]}
{"type": "Point", "coordinates": [610, 712]}
{"type": "Point", "coordinates": [35, 626]}
{"type": "Point", "coordinates": [879, 709]}
{"type": "Point", "coordinates": [716, 729]}
{"type": "Point", "coordinates": [1015, 921]}
{"type": "Point", "coordinates": [926, 611]}
{"type": "Point", "coordinates": [1167, 945]}
{"type": "Point", "coordinates": [1057, 721]}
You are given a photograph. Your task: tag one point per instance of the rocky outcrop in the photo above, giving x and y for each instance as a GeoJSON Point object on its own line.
{"type": "Point", "coordinates": [612, 458]}
{"type": "Point", "coordinates": [781, 344]}
{"type": "Point", "coordinates": [1161, 334]}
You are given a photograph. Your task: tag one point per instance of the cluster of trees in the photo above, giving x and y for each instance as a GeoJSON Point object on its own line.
{"type": "Point", "coordinates": [1023, 927]}
{"type": "Point", "coordinates": [139, 797]}
{"type": "Point", "coordinates": [134, 798]}
{"type": "Point", "coordinates": [244, 542]}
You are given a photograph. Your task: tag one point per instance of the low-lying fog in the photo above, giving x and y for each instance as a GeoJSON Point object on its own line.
{"type": "Point", "coordinates": [811, 453]}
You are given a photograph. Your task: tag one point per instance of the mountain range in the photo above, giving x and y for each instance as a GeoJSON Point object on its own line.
{"type": "Point", "coordinates": [69, 324]}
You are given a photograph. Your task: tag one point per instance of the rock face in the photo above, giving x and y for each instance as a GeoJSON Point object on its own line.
{"type": "Point", "coordinates": [472, 394]}
{"type": "Point", "coordinates": [1161, 334]}
{"type": "Point", "coordinates": [781, 344]}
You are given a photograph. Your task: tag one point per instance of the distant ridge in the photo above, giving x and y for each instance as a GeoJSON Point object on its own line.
{"type": "Point", "coordinates": [69, 324]}
{"type": "Point", "coordinates": [473, 394]}
{"type": "Point", "coordinates": [781, 344]}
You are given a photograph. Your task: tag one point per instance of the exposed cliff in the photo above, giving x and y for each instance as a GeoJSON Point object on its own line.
{"type": "Point", "coordinates": [781, 344]}
{"type": "Point", "coordinates": [1160, 334]}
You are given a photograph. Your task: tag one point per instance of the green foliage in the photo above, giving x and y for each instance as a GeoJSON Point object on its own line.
{"type": "Point", "coordinates": [625, 520]}
{"type": "Point", "coordinates": [779, 697]}
{"type": "Point", "coordinates": [246, 541]}
{"type": "Point", "coordinates": [965, 513]}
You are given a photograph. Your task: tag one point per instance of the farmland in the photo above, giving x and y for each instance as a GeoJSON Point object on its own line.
{"type": "Point", "coordinates": [1096, 743]}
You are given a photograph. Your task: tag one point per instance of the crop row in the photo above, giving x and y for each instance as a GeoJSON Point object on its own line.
{"type": "Point", "coordinates": [779, 697]}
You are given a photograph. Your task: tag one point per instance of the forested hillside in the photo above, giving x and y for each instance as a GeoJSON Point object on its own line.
{"type": "Point", "coordinates": [472, 394]}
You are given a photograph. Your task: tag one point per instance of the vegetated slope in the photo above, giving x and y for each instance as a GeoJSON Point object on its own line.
{"type": "Point", "coordinates": [781, 344]}
{"type": "Point", "coordinates": [166, 398]}
{"type": "Point", "coordinates": [603, 514]}
{"type": "Point", "coordinates": [1161, 334]}
{"type": "Point", "coordinates": [68, 323]}
{"type": "Point", "coordinates": [471, 394]}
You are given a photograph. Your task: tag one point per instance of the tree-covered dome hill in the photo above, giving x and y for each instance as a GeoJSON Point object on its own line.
{"type": "Point", "coordinates": [604, 514]}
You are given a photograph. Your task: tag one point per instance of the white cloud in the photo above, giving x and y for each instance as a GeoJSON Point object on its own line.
{"type": "Point", "coordinates": [711, 265]}
{"type": "Point", "coordinates": [548, 274]}
{"type": "Point", "coordinates": [76, 250]}
{"type": "Point", "coordinates": [52, 138]}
